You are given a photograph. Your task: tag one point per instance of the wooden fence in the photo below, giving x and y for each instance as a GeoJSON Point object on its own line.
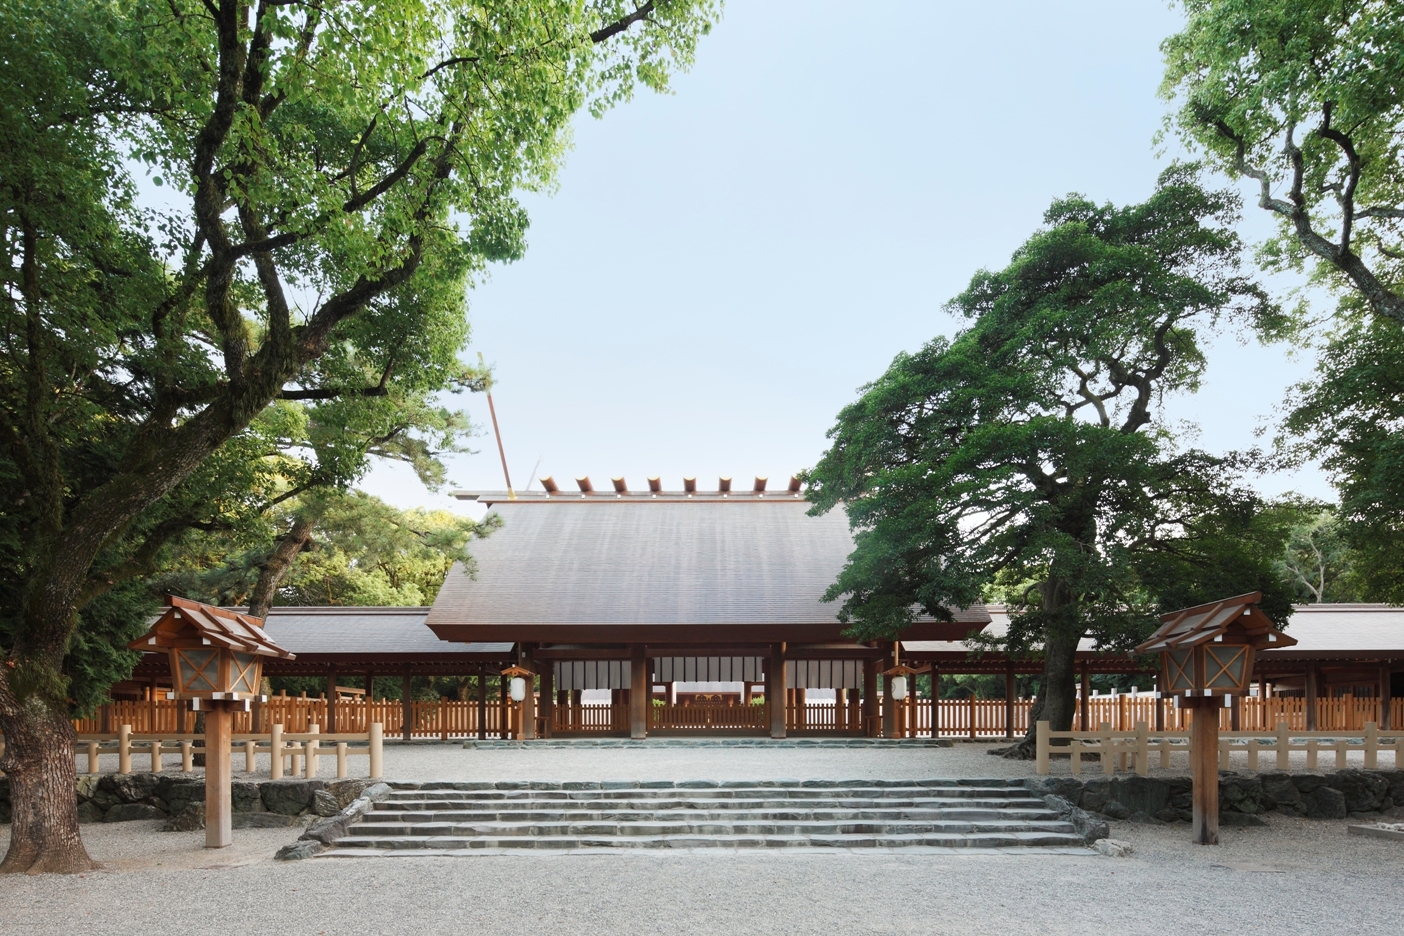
{"type": "Point", "coordinates": [955, 718]}
{"type": "Point", "coordinates": [1115, 748]}
{"type": "Point", "coordinates": [297, 753]}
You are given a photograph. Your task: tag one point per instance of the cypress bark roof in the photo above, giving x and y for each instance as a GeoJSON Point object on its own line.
{"type": "Point", "coordinates": [606, 568]}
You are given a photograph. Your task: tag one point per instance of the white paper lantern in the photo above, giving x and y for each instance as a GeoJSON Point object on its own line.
{"type": "Point", "coordinates": [899, 687]}
{"type": "Point", "coordinates": [518, 688]}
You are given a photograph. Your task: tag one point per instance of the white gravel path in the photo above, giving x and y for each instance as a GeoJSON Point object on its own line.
{"type": "Point", "coordinates": [165, 883]}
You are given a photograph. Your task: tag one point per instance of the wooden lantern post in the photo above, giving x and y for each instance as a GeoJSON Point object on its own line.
{"type": "Point", "coordinates": [216, 660]}
{"type": "Point", "coordinates": [518, 707]}
{"type": "Point", "coordinates": [1206, 659]}
{"type": "Point", "coordinates": [898, 695]}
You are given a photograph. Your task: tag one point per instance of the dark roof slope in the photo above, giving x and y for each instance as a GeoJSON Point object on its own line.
{"type": "Point", "coordinates": [621, 569]}
{"type": "Point", "coordinates": [363, 631]}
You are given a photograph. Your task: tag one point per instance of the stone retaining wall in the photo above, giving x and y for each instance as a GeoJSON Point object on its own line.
{"type": "Point", "coordinates": [1355, 794]}
{"type": "Point", "coordinates": [180, 799]}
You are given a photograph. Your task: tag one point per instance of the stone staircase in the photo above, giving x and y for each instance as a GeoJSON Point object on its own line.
{"type": "Point", "coordinates": [470, 817]}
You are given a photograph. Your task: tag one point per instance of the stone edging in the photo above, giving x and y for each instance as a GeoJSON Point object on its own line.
{"type": "Point", "coordinates": [1243, 797]}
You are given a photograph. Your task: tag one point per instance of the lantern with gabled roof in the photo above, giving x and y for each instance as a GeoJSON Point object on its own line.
{"type": "Point", "coordinates": [1208, 650]}
{"type": "Point", "coordinates": [215, 653]}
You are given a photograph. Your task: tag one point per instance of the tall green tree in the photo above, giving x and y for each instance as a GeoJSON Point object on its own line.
{"type": "Point", "coordinates": [1306, 99]}
{"type": "Point", "coordinates": [1347, 418]}
{"type": "Point", "coordinates": [339, 173]}
{"type": "Point", "coordinates": [1026, 452]}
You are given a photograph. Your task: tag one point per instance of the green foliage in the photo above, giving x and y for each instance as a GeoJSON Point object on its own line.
{"type": "Point", "coordinates": [1306, 98]}
{"type": "Point", "coordinates": [1349, 418]}
{"type": "Point", "coordinates": [363, 552]}
{"type": "Point", "coordinates": [337, 177]}
{"type": "Point", "coordinates": [1026, 451]}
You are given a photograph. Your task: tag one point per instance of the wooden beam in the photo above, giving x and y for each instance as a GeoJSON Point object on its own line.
{"type": "Point", "coordinates": [1009, 701]}
{"type": "Point", "coordinates": [1386, 698]}
{"type": "Point", "coordinates": [639, 691]}
{"type": "Point", "coordinates": [1204, 764]}
{"type": "Point", "coordinates": [548, 698]}
{"type": "Point", "coordinates": [1085, 713]}
{"type": "Point", "coordinates": [775, 690]}
{"type": "Point", "coordinates": [1310, 692]}
{"type": "Point", "coordinates": [331, 699]}
{"type": "Point", "coordinates": [482, 705]}
{"type": "Point", "coordinates": [219, 774]}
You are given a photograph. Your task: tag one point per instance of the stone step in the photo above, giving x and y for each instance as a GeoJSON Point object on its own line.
{"type": "Point", "coordinates": [551, 785]}
{"type": "Point", "coordinates": [703, 827]}
{"type": "Point", "coordinates": [564, 796]}
{"type": "Point", "coordinates": [722, 806]}
{"type": "Point", "coordinates": [388, 817]}
{"type": "Point", "coordinates": [856, 840]}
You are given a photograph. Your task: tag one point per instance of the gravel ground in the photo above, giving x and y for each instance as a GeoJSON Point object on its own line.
{"type": "Point", "coordinates": [163, 883]}
{"type": "Point", "coordinates": [167, 883]}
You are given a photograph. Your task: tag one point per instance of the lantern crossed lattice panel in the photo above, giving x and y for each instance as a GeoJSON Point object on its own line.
{"type": "Point", "coordinates": [1225, 665]}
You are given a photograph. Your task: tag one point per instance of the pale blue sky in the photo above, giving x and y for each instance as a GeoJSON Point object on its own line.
{"type": "Point", "coordinates": [722, 268]}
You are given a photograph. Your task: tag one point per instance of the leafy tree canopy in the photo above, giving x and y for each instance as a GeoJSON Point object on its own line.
{"type": "Point", "coordinates": [338, 173]}
{"type": "Point", "coordinates": [1026, 451]}
{"type": "Point", "coordinates": [1348, 417]}
{"type": "Point", "coordinates": [1306, 98]}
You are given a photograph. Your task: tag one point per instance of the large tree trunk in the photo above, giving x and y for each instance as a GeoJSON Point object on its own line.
{"type": "Point", "coordinates": [39, 763]}
{"type": "Point", "coordinates": [1057, 697]}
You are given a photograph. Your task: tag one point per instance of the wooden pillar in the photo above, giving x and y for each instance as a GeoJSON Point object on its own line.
{"type": "Point", "coordinates": [801, 698]}
{"type": "Point", "coordinates": [889, 709]}
{"type": "Point", "coordinates": [1310, 693]}
{"type": "Point", "coordinates": [1236, 714]}
{"type": "Point", "coordinates": [775, 690]}
{"type": "Point", "coordinates": [548, 697]}
{"type": "Point", "coordinates": [331, 700]}
{"type": "Point", "coordinates": [482, 705]}
{"type": "Point", "coordinates": [935, 700]}
{"type": "Point", "coordinates": [670, 693]}
{"type": "Point", "coordinates": [870, 696]}
{"type": "Point", "coordinates": [504, 705]}
{"type": "Point", "coordinates": [1009, 701]}
{"type": "Point", "coordinates": [1204, 764]}
{"type": "Point", "coordinates": [218, 775]}
{"type": "Point", "coordinates": [1159, 704]}
{"type": "Point", "coordinates": [746, 691]}
{"type": "Point", "coordinates": [370, 692]}
{"type": "Point", "coordinates": [1085, 709]}
{"type": "Point", "coordinates": [638, 691]}
{"type": "Point", "coordinates": [406, 710]}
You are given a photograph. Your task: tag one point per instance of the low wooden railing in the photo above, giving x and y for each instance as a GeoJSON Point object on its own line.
{"type": "Point", "coordinates": [1116, 748]}
{"type": "Point", "coordinates": [703, 717]}
{"type": "Point", "coordinates": [969, 718]}
{"type": "Point", "coordinates": [297, 753]}
{"type": "Point", "coordinates": [592, 718]}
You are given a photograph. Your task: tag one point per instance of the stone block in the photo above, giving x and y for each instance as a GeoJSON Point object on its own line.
{"type": "Point", "coordinates": [287, 797]}
{"type": "Point", "coordinates": [1326, 803]}
{"type": "Point", "coordinates": [246, 796]}
{"type": "Point", "coordinates": [129, 812]}
{"type": "Point", "coordinates": [1240, 792]}
{"type": "Point", "coordinates": [86, 784]}
{"type": "Point", "coordinates": [324, 803]}
{"type": "Point", "coordinates": [298, 850]}
{"type": "Point", "coordinates": [87, 811]}
{"type": "Point", "coordinates": [1364, 791]}
{"type": "Point", "coordinates": [1239, 820]}
{"type": "Point", "coordinates": [1114, 849]}
{"type": "Point", "coordinates": [1115, 810]}
{"type": "Point", "coordinates": [1141, 794]}
{"type": "Point", "coordinates": [130, 788]}
{"type": "Point", "coordinates": [189, 819]}
{"type": "Point", "coordinates": [262, 820]}
{"type": "Point", "coordinates": [345, 791]}
{"type": "Point", "coordinates": [1096, 793]}
{"type": "Point", "coordinates": [1279, 792]}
